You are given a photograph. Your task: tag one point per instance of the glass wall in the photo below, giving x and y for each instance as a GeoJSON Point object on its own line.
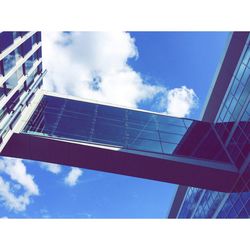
{"type": "Point", "coordinates": [233, 128]}
{"type": "Point", "coordinates": [11, 88]}
{"type": "Point", "coordinates": [190, 202]}
{"type": "Point", "coordinates": [124, 128]}
{"type": "Point", "coordinates": [233, 122]}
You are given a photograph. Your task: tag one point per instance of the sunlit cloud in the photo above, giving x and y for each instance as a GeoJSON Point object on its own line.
{"type": "Point", "coordinates": [73, 176]}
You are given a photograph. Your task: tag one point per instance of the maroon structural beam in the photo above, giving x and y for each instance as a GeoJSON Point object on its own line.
{"type": "Point", "coordinates": [172, 169]}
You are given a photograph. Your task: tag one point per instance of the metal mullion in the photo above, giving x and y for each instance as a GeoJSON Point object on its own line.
{"type": "Point", "coordinates": [198, 203]}
{"type": "Point", "coordinates": [92, 129]}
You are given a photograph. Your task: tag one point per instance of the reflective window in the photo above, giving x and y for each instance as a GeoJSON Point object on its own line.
{"type": "Point", "coordinates": [30, 79]}
{"type": "Point", "coordinates": [33, 39]}
{"type": "Point", "coordinates": [170, 120]}
{"type": "Point", "coordinates": [232, 213]}
{"type": "Point", "coordinates": [238, 147]}
{"type": "Point", "coordinates": [240, 71]}
{"type": "Point", "coordinates": [23, 33]}
{"type": "Point", "coordinates": [245, 76]}
{"type": "Point", "coordinates": [18, 52]}
{"type": "Point", "coordinates": [3, 112]}
{"type": "Point", "coordinates": [26, 46]}
{"type": "Point", "coordinates": [225, 209]}
{"type": "Point", "coordinates": [168, 128]}
{"type": "Point", "coordinates": [168, 148]}
{"type": "Point", "coordinates": [239, 91]}
{"type": "Point", "coordinates": [131, 129]}
{"type": "Point", "coordinates": [9, 62]}
{"type": "Point", "coordinates": [243, 214]}
{"type": "Point", "coordinates": [169, 137]}
{"type": "Point", "coordinates": [145, 145]}
{"type": "Point", "coordinates": [29, 63]}
{"type": "Point", "coordinates": [16, 35]}
{"type": "Point", "coordinates": [38, 37]}
{"type": "Point", "coordinates": [191, 199]}
{"type": "Point", "coordinates": [145, 134]}
{"type": "Point", "coordinates": [234, 86]}
{"type": "Point", "coordinates": [245, 93]}
{"type": "Point", "coordinates": [1, 68]}
{"type": "Point", "coordinates": [187, 122]}
{"type": "Point", "coordinates": [246, 57]}
{"type": "Point", "coordinates": [39, 53]}
{"type": "Point", "coordinates": [39, 68]}
{"type": "Point", "coordinates": [12, 82]}
{"type": "Point", "coordinates": [6, 39]}
{"type": "Point", "coordinates": [12, 101]}
{"type": "Point", "coordinates": [2, 91]}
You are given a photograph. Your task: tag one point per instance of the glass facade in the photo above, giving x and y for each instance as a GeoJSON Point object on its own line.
{"type": "Point", "coordinates": [233, 127]}
{"type": "Point", "coordinates": [225, 140]}
{"type": "Point", "coordinates": [6, 39]}
{"type": "Point", "coordinates": [124, 128]}
{"type": "Point", "coordinates": [13, 87]}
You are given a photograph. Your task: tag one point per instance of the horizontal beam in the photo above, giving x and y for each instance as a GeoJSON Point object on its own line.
{"type": "Point", "coordinates": [130, 163]}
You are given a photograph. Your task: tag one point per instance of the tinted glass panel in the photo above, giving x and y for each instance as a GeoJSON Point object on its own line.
{"type": "Point", "coordinates": [26, 46]}
{"type": "Point", "coordinates": [13, 80]}
{"type": "Point", "coordinates": [29, 63]}
{"type": "Point", "coordinates": [9, 62]}
{"type": "Point", "coordinates": [6, 39]}
{"type": "Point", "coordinates": [129, 129]}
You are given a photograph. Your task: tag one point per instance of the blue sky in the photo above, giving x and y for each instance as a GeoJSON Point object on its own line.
{"type": "Point", "coordinates": [143, 70]}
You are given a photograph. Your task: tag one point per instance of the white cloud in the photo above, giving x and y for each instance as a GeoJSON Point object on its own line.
{"type": "Point", "coordinates": [180, 101]}
{"type": "Point", "coordinates": [53, 168]}
{"type": "Point", "coordinates": [16, 170]}
{"type": "Point", "coordinates": [94, 65]}
{"type": "Point", "coordinates": [73, 176]}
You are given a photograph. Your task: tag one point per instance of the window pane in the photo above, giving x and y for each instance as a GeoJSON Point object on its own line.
{"type": "Point", "coordinates": [38, 37]}
{"type": "Point", "coordinates": [1, 69]}
{"type": "Point", "coordinates": [9, 62]}
{"type": "Point", "coordinates": [26, 46]}
{"type": "Point", "coordinates": [29, 63]}
{"type": "Point", "coordinates": [168, 148]}
{"type": "Point", "coordinates": [13, 80]}
{"type": "Point", "coordinates": [240, 72]}
{"type": "Point", "coordinates": [6, 39]}
{"type": "Point", "coordinates": [168, 137]}
{"type": "Point", "coordinates": [145, 134]}
{"type": "Point", "coordinates": [112, 113]}
{"type": "Point", "coordinates": [30, 79]}
{"type": "Point", "coordinates": [39, 53]}
{"type": "Point", "coordinates": [246, 57]}
{"type": "Point", "coordinates": [146, 145]}
{"type": "Point", "coordinates": [170, 120]}
{"type": "Point", "coordinates": [172, 129]}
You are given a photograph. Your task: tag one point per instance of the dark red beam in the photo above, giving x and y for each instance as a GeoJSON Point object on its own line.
{"type": "Point", "coordinates": [169, 169]}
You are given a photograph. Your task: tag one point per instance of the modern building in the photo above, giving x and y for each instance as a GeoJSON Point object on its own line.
{"type": "Point", "coordinates": [228, 110]}
{"type": "Point", "coordinates": [20, 77]}
{"type": "Point", "coordinates": [211, 154]}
